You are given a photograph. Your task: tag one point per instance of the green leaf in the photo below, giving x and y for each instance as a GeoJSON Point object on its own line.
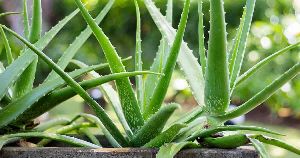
{"type": "Point", "coordinates": [36, 25]}
{"type": "Point", "coordinates": [78, 89]}
{"type": "Point", "coordinates": [171, 149]}
{"type": "Point", "coordinates": [186, 59]}
{"type": "Point", "coordinates": [138, 57]}
{"type": "Point", "coordinates": [159, 61]}
{"type": "Point", "coordinates": [65, 130]}
{"type": "Point", "coordinates": [56, 137]}
{"type": "Point", "coordinates": [112, 98]}
{"type": "Point", "coordinates": [99, 124]}
{"type": "Point", "coordinates": [25, 82]}
{"type": "Point", "coordinates": [263, 95]}
{"type": "Point", "coordinates": [129, 102]}
{"type": "Point", "coordinates": [276, 142]}
{"type": "Point", "coordinates": [58, 96]}
{"type": "Point", "coordinates": [191, 116]}
{"type": "Point", "coordinates": [52, 123]}
{"type": "Point", "coordinates": [165, 137]}
{"type": "Point", "coordinates": [163, 83]}
{"type": "Point", "coordinates": [259, 147]}
{"type": "Point", "coordinates": [25, 19]}
{"type": "Point", "coordinates": [154, 125]}
{"type": "Point", "coordinates": [211, 131]}
{"type": "Point", "coordinates": [13, 71]}
{"type": "Point", "coordinates": [15, 109]}
{"type": "Point", "coordinates": [259, 65]}
{"type": "Point", "coordinates": [192, 127]}
{"type": "Point", "coordinates": [70, 52]}
{"type": "Point", "coordinates": [201, 38]}
{"type": "Point", "coordinates": [240, 42]}
{"type": "Point", "coordinates": [90, 135]}
{"type": "Point", "coordinates": [9, 56]}
{"type": "Point", "coordinates": [216, 93]}
{"type": "Point", "coordinates": [226, 142]}
{"type": "Point", "coordinates": [8, 13]}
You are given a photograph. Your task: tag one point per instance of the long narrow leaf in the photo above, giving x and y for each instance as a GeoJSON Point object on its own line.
{"type": "Point", "coordinates": [112, 98]}
{"type": "Point", "coordinates": [171, 149]}
{"type": "Point", "coordinates": [159, 61]}
{"type": "Point", "coordinates": [201, 38]}
{"type": "Point", "coordinates": [163, 83]}
{"type": "Point", "coordinates": [78, 89]}
{"type": "Point", "coordinates": [25, 19]}
{"type": "Point", "coordinates": [259, 65]}
{"type": "Point", "coordinates": [154, 125]}
{"type": "Point", "coordinates": [138, 57]}
{"type": "Point", "coordinates": [36, 24]}
{"type": "Point", "coordinates": [8, 13]}
{"type": "Point", "coordinates": [186, 59]}
{"type": "Point", "coordinates": [165, 137]}
{"type": "Point", "coordinates": [52, 123]}
{"type": "Point", "coordinates": [217, 76]}
{"type": "Point", "coordinates": [78, 42]}
{"type": "Point", "coordinates": [62, 138]}
{"type": "Point", "coordinates": [262, 95]}
{"type": "Point", "coordinates": [241, 42]}
{"type": "Point", "coordinates": [226, 142]}
{"type": "Point", "coordinates": [129, 102]}
{"type": "Point", "coordinates": [209, 132]}
{"type": "Point", "coordinates": [276, 142]}
{"type": "Point", "coordinates": [259, 147]}
{"type": "Point", "coordinates": [9, 56]}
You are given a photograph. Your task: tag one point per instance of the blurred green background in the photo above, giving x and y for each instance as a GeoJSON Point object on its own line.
{"type": "Point", "coordinates": [276, 24]}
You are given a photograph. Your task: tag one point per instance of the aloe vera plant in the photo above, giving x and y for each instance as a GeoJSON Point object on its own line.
{"type": "Point", "coordinates": [143, 115]}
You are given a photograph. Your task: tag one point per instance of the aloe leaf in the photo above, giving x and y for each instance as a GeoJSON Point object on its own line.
{"type": "Point", "coordinates": [171, 149]}
{"type": "Point", "coordinates": [129, 102]}
{"type": "Point", "coordinates": [58, 96]}
{"type": "Point", "coordinates": [201, 38]}
{"type": "Point", "coordinates": [19, 106]}
{"type": "Point", "coordinates": [154, 125]}
{"type": "Point", "coordinates": [259, 147]}
{"type": "Point", "coordinates": [276, 142]}
{"type": "Point", "coordinates": [9, 56]}
{"type": "Point", "coordinates": [78, 89]}
{"type": "Point", "coordinates": [192, 127]}
{"type": "Point", "coordinates": [263, 95]}
{"type": "Point", "coordinates": [56, 137]}
{"type": "Point", "coordinates": [52, 123]}
{"type": "Point", "coordinates": [78, 42]}
{"type": "Point", "coordinates": [90, 135]}
{"type": "Point", "coordinates": [226, 142]}
{"type": "Point", "coordinates": [25, 19]}
{"type": "Point", "coordinates": [257, 66]}
{"type": "Point", "coordinates": [191, 116]}
{"type": "Point", "coordinates": [13, 71]}
{"type": "Point", "coordinates": [162, 85]}
{"type": "Point", "coordinates": [36, 25]}
{"type": "Point", "coordinates": [209, 132]}
{"type": "Point", "coordinates": [8, 13]}
{"type": "Point", "coordinates": [240, 42]}
{"type": "Point", "coordinates": [25, 82]}
{"type": "Point", "coordinates": [138, 57]}
{"type": "Point", "coordinates": [165, 137]}
{"type": "Point", "coordinates": [99, 124]}
{"type": "Point", "coordinates": [112, 98]}
{"type": "Point", "coordinates": [186, 59]}
{"type": "Point", "coordinates": [216, 77]}
{"type": "Point", "coordinates": [159, 61]}
{"type": "Point", "coordinates": [65, 130]}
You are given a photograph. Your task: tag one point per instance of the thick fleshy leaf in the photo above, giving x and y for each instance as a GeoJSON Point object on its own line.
{"type": "Point", "coordinates": [52, 123]}
{"type": "Point", "coordinates": [154, 125]}
{"type": "Point", "coordinates": [9, 56]}
{"type": "Point", "coordinates": [71, 51]}
{"type": "Point", "coordinates": [259, 147]}
{"type": "Point", "coordinates": [226, 142]}
{"type": "Point", "coordinates": [128, 99]}
{"type": "Point", "coordinates": [163, 83]}
{"type": "Point", "coordinates": [186, 59]}
{"type": "Point", "coordinates": [202, 51]}
{"type": "Point", "coordinates": [171, 149]}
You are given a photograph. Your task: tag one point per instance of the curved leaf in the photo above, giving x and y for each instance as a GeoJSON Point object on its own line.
{"type": "Point", "coordinates": [259, 147]}
{"type": "Point", "coordinates": [171, 149]}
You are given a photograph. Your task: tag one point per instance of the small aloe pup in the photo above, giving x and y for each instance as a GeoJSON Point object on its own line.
{"type": "Point", "coordinates": [220, 69]}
